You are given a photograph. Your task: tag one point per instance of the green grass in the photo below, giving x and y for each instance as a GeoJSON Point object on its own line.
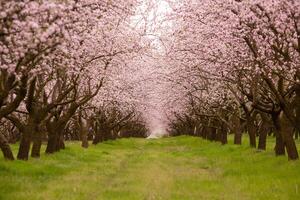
{"type": "Point", "coordinates": [180, 168]}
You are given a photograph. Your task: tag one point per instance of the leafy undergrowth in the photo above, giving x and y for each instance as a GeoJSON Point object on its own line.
{"type": "Point", "coordinates": [168, 168]}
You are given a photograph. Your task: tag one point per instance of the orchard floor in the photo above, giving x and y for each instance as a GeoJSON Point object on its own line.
{"type": "Point", "coordinates": [180, 168]}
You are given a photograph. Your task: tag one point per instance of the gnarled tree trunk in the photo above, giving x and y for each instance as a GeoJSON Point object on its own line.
{"type": "Point", "coordinates": [36, 146]}
{"type": "Point", "coordinates": [251, 131]}
{"type": "Point", "coordinates": [263, 132]}
{"type": "Point", "coordinates": [26, 138]}
{"type": "Point", "coordinates": [223, 132]}
{"type": "Point", "coordinates": [51, 144]}
{"type": "Point", "coordinates": [286, 130]}
{"type": "Point", "coordinates": [84, 137]}
{"type": "Point", "coordinates": [97, 138]}
{"type": "Point", "coordinates": [5, 148]}
{"type": "Point", "coordinates": [24, 147]}
{"type": "Point", "coordinates": [279, 146]}
{"type": "Point", "coordinates": [237, 129]}
{"type": "Point", "coordinates": [37, 143]}
{"type": "Point", "coordinates": [54, 132]}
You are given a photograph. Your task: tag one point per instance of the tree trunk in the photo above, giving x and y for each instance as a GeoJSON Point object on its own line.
{"type": "Point", "coordinates": [238, 137]}
{"type": "Point", "coordinates": [85, 142]}
{"type": "Point", "coordinates": [209, 133]}
{"type": "Point", "coordinates": [205, 132]}
{"type": "Point", "coordinates": [97, 138]}
{"type": "Point", "coordinates": [5, 148]}
{"type": "Point", "coordinates": [56, 137]}
{"type": "Point", "coordinates": [36, 148]}
{"type": "Point", "coordinates": [37, 143]}
{"type": "Point", "coordinates": [61, 142]}
{"type": "Point", "coordinates": [219, 135]}
{"type": "Point", "coordinates": [262, 139]}
{"type": "Point", "coordinates": [106, 136]}
{"type": "Point", "coordinates": [84, 137]}
{"type": "Point", "coordinates": [24, 147]}
{"type": "Point", "coordinates": [279, 146]}
{"type": "Point", "coordinates": [263, 132]}
{"type": "Point", "coordinates": [286, 129]}
{"type": "Point", "coordinates": [29, 133]}
{"type": "Point", "coordinates": [297, 108]}
{"type": "Point", "coordinates": [251, 131]}
{"type": "Point", "coordinates": [213, 134]}
{"type": "Point", "coordinates": [51, 144]}
{"type": "Point", "coordinates": [237, 130]}
{"type": "Point", "coordinates": [53, 137]}
{"type": "Point", "coordinates": [223, 134]}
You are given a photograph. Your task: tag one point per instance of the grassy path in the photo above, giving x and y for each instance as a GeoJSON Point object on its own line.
{"type": "Point", "coordinates": [170, 168]}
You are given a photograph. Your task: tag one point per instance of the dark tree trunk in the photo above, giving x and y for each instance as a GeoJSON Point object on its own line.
{"type": "Point", "coordinates": [114, 136]}
{"type": "Point", "coordinates": [37, 142]}
{"type": "Point", "coordinates": [263, 132]}
{"type": "Point", "coordinates": [292, 109]}
{"type": "Point", "coordinates": [209, 133]}
{"type": "Point", "coordinates": [238, 137]}
{"type": "Point", "coordinates": [279, 146]}
{"type": "Point", "coordinates": [53, 137]}
{"type": "Point", "coordinates": [56, 137]}
{"type": "Point", "coordinates": [36, 148]}
{"type": "Point", "coordinates": [223, 134]}
{"type": "Point", "coordinates": [5, 148]}
{"type": "Point", "coordinates": [51, 144]}
{"type": "Point", "coordinates": [97, 138]}
{"type": "Point", "coordinates": [224, 138]}
{"type": "Point", "coordinates": [98, 135]}
{"type": "Point", "coordinates": [286, 130]}
{"type": "Point", "coordinates": [219, 135]}
{"type": "Point", "coordinates": [251, 131]}
{"type": "Point", "coordinates": [85, 143]}
{"type": "Point", "coordinates": [84, 138]}
{"type": "Point", "coordinates": [213, 134]}
{"type": "Point", "coordinates": [262, 139]}
{"type": "Point", "coordinates": [237, 130]}
{"type": "Point", "coordinates": [205, 132]}
{"type": "Point", "coordinates": [198, 131]}
{"type": "Point", "coordinates": [61, 142]}
{"type": "Point", "coordinates": [297, 108]}
{"type": "Point", "coordinates": [264, 129]}
{"type": "Point", "coordinates": [106, 135]}
{"type": "Point", "coordinates": [24, 147]}
{"type": "Point", "coordinates": [57, 146]}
